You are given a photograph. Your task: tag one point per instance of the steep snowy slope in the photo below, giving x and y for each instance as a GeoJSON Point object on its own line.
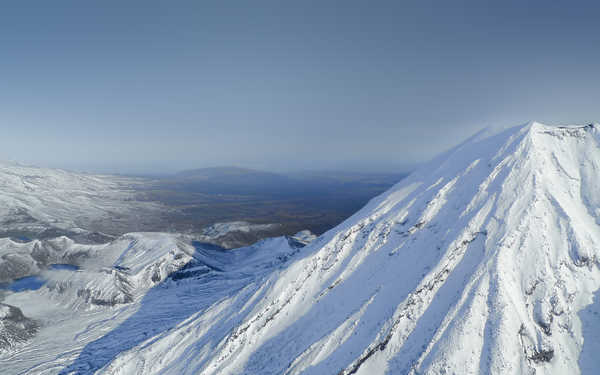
{"type": "Point", "coordinates": [483, 261]}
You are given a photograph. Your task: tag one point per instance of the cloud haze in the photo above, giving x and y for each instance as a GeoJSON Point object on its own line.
{"type": "Point", "coordinates": [158, 86]}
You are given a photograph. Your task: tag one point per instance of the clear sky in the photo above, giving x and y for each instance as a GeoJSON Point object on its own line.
{"type": "Point", "coordinates": [155, 86]}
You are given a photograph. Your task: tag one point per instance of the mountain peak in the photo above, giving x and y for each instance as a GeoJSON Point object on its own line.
{"type": "Point", "coordinates": [481, 261]}
{"type": "Point", "coordinates": [485, 260]}
{"type": "Point", "coordinates": [501, 236]}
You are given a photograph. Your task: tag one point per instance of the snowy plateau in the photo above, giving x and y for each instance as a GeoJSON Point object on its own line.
{"type": "Point", "coordinates": [483, 261]}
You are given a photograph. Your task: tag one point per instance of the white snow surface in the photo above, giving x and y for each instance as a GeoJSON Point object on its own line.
{"type": "Point", "coordinates": [220, 233]}
{"type": "Point", "coordinates": [220, 229]}
{"type": "Point", "coordinates": [305, 236]}
{"type": "Point", "coordinates": [483, 261]}
{"type": "Point", "coordinates": [35, 199]}
{"type": "Point", "coordinates": [137, 287]}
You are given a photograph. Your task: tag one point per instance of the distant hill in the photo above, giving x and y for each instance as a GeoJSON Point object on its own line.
{"type": "Point", "coordinates": [44, 203]}
{"type": "Point", "coordinates": [314, 200]}
{"type": "Point", "coordinates": [235, 180]}
{"type": "Point", "coordinates": [228, 180]}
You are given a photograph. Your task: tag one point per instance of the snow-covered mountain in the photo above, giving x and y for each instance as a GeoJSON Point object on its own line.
{"type": "Point", "coordinates": [485, 260]}
{"type": "Point", "coordinates": [120, 294]}
{"type": "Point", "coordinates": [41, 202]}
{"type": "Point", "coordinates": [225, 234]}
{"type": "Point", "coordinates": [45, 203]}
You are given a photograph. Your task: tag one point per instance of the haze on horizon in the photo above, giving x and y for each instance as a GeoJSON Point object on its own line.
{"type": "Point", "coordinates": [149, 86]}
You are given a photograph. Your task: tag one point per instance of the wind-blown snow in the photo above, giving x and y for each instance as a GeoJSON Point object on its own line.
{"type": "Point", "coordinates": [483, 261]}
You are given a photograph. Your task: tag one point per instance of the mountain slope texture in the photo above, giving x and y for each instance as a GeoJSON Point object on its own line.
{"type": "Point", "coordinates": [45, 203]}
{"type": "Point", "coordinates": [485, 260]}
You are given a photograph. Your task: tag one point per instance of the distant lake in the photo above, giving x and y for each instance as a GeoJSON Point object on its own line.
{"type": "Point", "coordinates": [24, 283]}
{"type": "Point", "coordinates": [35, 282]}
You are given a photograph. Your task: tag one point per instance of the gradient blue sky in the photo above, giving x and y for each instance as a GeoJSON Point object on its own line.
{"type": "Point", "coordinates": [157, 86]}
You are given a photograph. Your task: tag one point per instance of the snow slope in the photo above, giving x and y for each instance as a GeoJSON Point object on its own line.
{"type": "Point", "coordinates": [477, 263]}
{"type": "Point", "coordinates": [123, 292]}
{"type": "Point", "coordinates": [40, 202]}
{"type": "Point", "coordinates": [483, 261]}
{"type": "Point", "coordinates": [226, 234]}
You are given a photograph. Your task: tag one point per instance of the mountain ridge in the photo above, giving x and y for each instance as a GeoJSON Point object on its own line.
{"type": "Point", "coordinates": [485, 260]}
{"type": "Point", "coordinates": [477, 263]}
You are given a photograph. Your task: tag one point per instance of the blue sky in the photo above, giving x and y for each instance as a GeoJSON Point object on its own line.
{"type": "Point", "coordinates": [158, 86]}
